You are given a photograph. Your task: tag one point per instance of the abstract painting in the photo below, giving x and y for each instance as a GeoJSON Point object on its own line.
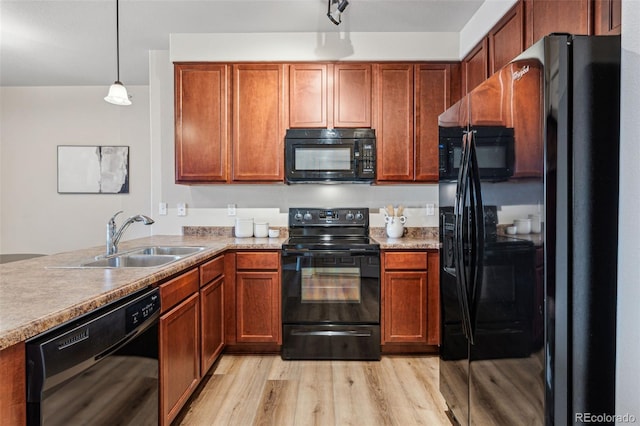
{"type": "Point", "coordinates": [93, 169]}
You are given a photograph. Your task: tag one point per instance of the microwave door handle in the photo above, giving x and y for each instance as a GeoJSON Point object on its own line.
{"type": "Point", "coordinates": [461, 274]}
{"type": "Point", "coordinates": [477, 248]}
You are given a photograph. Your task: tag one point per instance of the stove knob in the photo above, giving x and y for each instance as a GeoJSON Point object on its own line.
{"type": "Point", "coordinates": [307, 216]}
{"type": "Point", "coordinates": [349, 216]}
{"type": "Point", "coordinates": [298, 216]}
{"type": "Point", "coordinates": [359, 216]}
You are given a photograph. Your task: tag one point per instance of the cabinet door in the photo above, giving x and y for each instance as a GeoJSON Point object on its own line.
{"type": "Point", "coordinates": [475, 67]}
{"type": "Point", "coordinates": [308, 95]}
{"type": "Point", "coordinates": [394, 124]}
{"type": "Point", "coordinates": [607, 17]}
{"type": "Point", "coordinates": [13, 403]}
{"type": "Point", "coordinates": [405, 305]}
{"type": "Point", "coordinates": [211, 323]}
{"type": "Point", "coordinates": [201, 123]}
{"type": "Point", "coordinates": [259, 118]}
{"type": "Point", "coordinates": [544, 17]}
{"type": "Point", "coordinates": [433, 298]}
{"type": "Point", "coordinates": [506, 39]}
{"type": "Point", "coordinates": [436, 88]}
{"type": "Point", "coordinates": [179, 357]}
{"type": "Point", "coordinates": [258, 307]}
{"type": "Point", "coordinates": [352, 95]}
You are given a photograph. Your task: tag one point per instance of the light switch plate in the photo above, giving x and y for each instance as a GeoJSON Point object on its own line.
{"type": "Point", "coordinates": [182, 209]}
{"type": "Point", "coordinates": [162, 209]}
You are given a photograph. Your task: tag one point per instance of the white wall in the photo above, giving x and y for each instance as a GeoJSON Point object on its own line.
{"type": "Point", "coordinates": [628, 336]}
{"type": "Point", "coordinates": [35, 120]}
{"type": "Point", "coordinates": [481, 22]}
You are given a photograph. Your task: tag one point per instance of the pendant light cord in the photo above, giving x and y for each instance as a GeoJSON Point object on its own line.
{"type": "Point", "coordinates": [118, 38]}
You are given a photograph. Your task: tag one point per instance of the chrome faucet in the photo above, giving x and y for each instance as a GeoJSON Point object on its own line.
{"type": "Point", "coordinates": [113, 235]}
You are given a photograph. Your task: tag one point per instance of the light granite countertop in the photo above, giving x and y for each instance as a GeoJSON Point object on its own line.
{"type": "Point", "coordinates": [40, 293]}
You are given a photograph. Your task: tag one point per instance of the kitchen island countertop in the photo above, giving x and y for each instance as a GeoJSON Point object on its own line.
{"type": "Point", "coordinates": [40, 293]}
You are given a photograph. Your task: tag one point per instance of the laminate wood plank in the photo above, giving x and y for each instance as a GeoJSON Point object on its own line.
{"type": "Point", "coordinates": [266, 390]}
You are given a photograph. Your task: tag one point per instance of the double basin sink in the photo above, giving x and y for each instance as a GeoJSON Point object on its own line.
{"type": "Point", "coordinates": [144, 257]}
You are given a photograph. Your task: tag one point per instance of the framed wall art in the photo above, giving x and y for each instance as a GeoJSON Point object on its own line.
{"type": "Point", "coordinates": [93, 169]}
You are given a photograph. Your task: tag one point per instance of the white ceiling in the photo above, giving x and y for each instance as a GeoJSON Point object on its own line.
{"type": "Point", "coordinates": [73, 42]}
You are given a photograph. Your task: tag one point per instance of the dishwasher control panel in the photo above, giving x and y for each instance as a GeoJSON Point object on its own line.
{"type": "Point", "coordinates": [139, 311]}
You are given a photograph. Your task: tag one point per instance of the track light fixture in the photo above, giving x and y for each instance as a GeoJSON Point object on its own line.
{"type": "Point", "coordinates": [335, 15]}
{"type": "Point", "coordinates": [117, 92]}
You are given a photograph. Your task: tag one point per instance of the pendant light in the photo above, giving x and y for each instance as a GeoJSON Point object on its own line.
{"type": "Point", "coordinates": [117, 92]}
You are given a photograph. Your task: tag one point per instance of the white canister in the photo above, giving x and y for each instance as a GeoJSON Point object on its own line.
{"type": "Point", "coordinates": [244, 227]}
{"type": "Point", "coordinates": [536, 223]}
{"type": "Point", "coordinates": [523, 225]}
{"type": "Point", "coordinates": [260, 229]}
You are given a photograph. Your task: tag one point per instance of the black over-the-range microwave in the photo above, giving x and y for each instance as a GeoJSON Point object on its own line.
{"type": "Point", "coordinates": [330, 156]}
{"type": "Point", "coordinates": [495, 152]}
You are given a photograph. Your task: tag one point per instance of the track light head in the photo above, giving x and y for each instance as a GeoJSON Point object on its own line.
{"type": "Point", "coordinates": [335, 15]}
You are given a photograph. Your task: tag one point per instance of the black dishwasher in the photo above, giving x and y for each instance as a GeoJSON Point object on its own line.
{"type": "Point", "coordinates": [98, 369]}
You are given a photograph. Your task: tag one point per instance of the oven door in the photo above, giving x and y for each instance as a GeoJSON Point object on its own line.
{"type": "Point", "coordinates": [330, 287]}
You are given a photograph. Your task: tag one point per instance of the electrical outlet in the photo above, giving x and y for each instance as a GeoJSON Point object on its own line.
{"type": "Point", "coordinates": [182, 209]}
{"type": "Point", "coordinates": [431, 209]}
{"type": "Point", "coordinates": [162, 209]}
{"type": "Point", "coordinates": [231, 209]}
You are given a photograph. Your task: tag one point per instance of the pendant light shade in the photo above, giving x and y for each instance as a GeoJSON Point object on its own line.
{"type": "Point", "coordinates": [117, 92]}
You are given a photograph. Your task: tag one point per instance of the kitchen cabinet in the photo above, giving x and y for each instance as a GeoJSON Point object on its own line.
{"type": "Point", "coordinates": [543, 17]}
{"type": "Point", "coordinates": [258, 123]}
{"type": "Point", "coordinates": [254, 319]}
{"type": "Point", "coordinates": [13, 404]}
{"type": "Point", "coordinates": [475, 66]}
{"type": "Point", "coordinates": [410, 298]}
{"type": "Point", "coordinates": [409, 98]}
{"type": "Point", "coordinates": [201, 122]}
{"type": "Point", "coordinates": [437, 87]}
{"type": "Point", "coordinates": [179, 342]}
{"type": "Point", "coordinates": [607, 17]}
{"type": "Point", "coordinates": [211, 312]}
{"type": "Point", "coordinates": [324, 95]}
{"type": "Point", "coordinates": [506, 38]}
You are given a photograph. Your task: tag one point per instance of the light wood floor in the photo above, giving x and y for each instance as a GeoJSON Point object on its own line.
{"type": "Point", "coordinates": [265, 390]}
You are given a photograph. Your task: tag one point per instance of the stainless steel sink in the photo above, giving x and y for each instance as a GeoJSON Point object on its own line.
{"type": "Point", "coordinates": [142, 257]}
{"type": "Point", "coordinates": [168, 250]}
{"type": "Point", "coordinates": [131, 261]}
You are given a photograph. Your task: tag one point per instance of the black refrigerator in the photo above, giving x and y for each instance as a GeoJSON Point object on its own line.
{"type": "Point", "coordinates": [528, 311]}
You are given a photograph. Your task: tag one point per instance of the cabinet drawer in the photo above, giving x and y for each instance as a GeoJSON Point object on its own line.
{"type": "Point", "coordinates": [258, 260]}
{"type": "Point", "coordinates": [211, 270]}
{"type": "Point", "coordinates": [413, 260]}
{"type": "Point", "coordinates": [174, 291]}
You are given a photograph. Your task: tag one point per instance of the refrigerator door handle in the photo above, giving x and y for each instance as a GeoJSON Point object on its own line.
{"type": "Point", "coordinates": [462, 278]}
{"type": "Point", "coordinates": [477, 248]}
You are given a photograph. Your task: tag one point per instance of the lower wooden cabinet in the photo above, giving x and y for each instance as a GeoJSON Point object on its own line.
{"type": "Point", "coordinates": [211, 312]}
{"type": "Point", "coordinates": [253, 320]}
{"type": "Point", "coordinates": [179, 350]}
{"type": "Point", "coordinates": [13, 404]}
{"type": "Point", "coordinates": [410, 298]}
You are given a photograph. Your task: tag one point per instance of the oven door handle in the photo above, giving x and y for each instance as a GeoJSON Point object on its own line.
{"type": "Point", "coordinates": [332, 253]}
{"type": "Point", "coordinates": [350, 333]}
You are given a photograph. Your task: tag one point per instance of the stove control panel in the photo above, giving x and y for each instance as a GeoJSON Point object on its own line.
{"type": "Point", "coordinates": [329, 217]}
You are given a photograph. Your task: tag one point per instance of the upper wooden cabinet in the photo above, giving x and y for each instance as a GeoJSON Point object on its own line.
{"type": "Point", "coordinates": [352, 95]}
{"type": "Point", "coordinates": [409, 98]}
{"type": "Point", "coordinates": [259, 122]}
{"type": "Point", "coordinates": [543, 17]}
{"type": "Point", "coordinates": [506, 38]}
{"type": "Point", "coordinates": [475, 66]}
{"type": "Point", "coordinates": [323, 95]}
{"type": "Point", "coordinates": [309, 96]}
{"type": "Point", "coordinates": [607, 17]}
{"type": "Point", "coordinates": [201, 122]}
